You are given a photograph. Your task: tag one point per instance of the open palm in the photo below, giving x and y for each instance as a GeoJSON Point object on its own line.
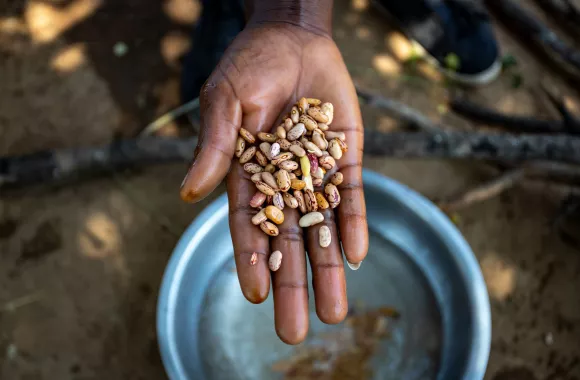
{"type": "Point", "coordinates": [261, 75]}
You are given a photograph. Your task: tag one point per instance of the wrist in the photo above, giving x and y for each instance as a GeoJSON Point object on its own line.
{"type": "Point", "coordinates": [312, 15]}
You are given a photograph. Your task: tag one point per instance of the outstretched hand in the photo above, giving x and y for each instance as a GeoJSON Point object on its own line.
{"type": "Point", "coordinates": [262, 74]}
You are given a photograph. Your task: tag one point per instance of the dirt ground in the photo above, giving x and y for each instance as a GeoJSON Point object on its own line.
{"type": "Point", "coordinates": [80, 265]}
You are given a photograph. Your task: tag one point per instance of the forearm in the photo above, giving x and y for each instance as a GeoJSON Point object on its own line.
{"type": "Point", "coordinates": [314, 15]}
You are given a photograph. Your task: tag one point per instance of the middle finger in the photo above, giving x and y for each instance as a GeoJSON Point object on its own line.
{"type": "Point", "coordinates": [327, 272]}
{"type": "Point", "coordinates": [290, 281]}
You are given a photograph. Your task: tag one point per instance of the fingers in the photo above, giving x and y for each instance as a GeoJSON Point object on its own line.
{"type": "Point", "coordinates": [327, 273]}
{"type": "Point", "coordinates": [290, 281]}
{"type": "Point", "coordinates": [247, 238]}
{"type": "Point", "coordinates": [220, 122]}
{"type": "Point", "coordinates": [351, 213]}
{"type": "Point", "coordinates": [352, 219]}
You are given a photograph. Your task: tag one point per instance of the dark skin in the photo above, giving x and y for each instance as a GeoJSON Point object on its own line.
{"type": "Point", "coordinates": [284, 53]}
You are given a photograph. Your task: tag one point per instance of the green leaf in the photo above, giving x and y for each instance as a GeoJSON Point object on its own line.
{"type": "Point", "coordinates": [508, 61]}
{"type": "Point", "coordinates": [517, 80]}
{"type": "Point", "coordinates": [452, 61]}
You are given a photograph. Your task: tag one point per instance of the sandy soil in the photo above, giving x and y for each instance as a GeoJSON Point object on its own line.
{"type": "Point", "coordinates": [80, 265]}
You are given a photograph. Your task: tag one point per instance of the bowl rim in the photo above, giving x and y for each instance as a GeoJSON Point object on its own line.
{"type": "Point", "coordinates": [476, 289]}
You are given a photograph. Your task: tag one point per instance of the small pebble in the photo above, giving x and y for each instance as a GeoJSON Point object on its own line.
{"type": "Point", "coordinates": [120, 49]}
{"type": "Point", "coordinates": [549, 339]}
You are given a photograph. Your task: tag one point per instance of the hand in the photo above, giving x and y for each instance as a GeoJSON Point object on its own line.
{"type": "Point", "coordinates": [262, 74]}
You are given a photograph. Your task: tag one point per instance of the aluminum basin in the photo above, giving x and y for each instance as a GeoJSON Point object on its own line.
{"type": "Point", "coordinates": [418, 263]}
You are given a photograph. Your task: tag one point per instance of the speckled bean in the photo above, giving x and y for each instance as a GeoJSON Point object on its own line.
{"type": "Point", "coordinates": [322, 202]}
{"type": "Point", "coordinates": [269, 228]}
{"type": "Point", "coordinates": [240, 146]}
{"type": "Point", "coordinates": [294, 115]}
{"type": "Point", "coordinates": [295, 133]}
{"type": "Point", "coordinates": [282, 180]}
{"type": "Point", "coordinates": [265, 188]}
{"type": "Point", "coordinates": [288, 165]}
{"type": "Point", "coordinates": [308, 122]}
{"type": "Point", "coordinates": [310, 200]}
{"type": "Point", "coordinates": [311, 219]}
{"type": "Point", "coordinates": [300, 199]}
{"type": "Point", "coordinates": [268, 137]}
{"type": "Point", "coordinates": [278, 200]}
{"type": "Point", "coordinates": [248, 155]}
{"type": "Point", "coordinates": [270, 180]}
{"type": "Point", "coordinates": [274, 214]}
{"type": "Point", "coordinates": [324, 236]}
{"type": "Point", "coordinates": [281, 157]}
{"type": "Point", "coordinates": [261, 158]}
{"type": "Point", "coordinates": [275, 261]}
{"type": "Point", "coordinates": [258, 199]}
{"type": "Point", "coordinates": [252, 168]}
{"type": "Point", "coordinates": [318, 115]}
{"type": "Point", "coordinates": [290, 200]}
{"type": "Point", "coordinates": [259, 217]}
{"type": "Point", "coordinates": [336, 178]}
{"type": "Point", "coordinates": [246, 135]}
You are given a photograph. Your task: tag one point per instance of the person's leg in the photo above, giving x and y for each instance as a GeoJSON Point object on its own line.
{"type": "Point", "coordinates": [443, 27]}
{"type": "Point", "coordinates": [219, 24]}
{"type": "Point", "coordinates": [440, 26]}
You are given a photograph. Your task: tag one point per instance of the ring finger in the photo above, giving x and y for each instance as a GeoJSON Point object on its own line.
{"type": "Point", "coordinates": [327, 266]}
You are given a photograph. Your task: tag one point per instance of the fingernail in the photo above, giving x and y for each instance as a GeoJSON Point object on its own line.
{"type": "Point", "coordinates": [184, 180]}
{"type": "Point", "coordinates": [353, 266]}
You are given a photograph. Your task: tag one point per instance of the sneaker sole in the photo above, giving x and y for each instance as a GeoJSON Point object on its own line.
{"type": "Point", "coordinates": [480, 79]}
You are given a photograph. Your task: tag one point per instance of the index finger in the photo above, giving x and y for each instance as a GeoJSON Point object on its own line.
{"type": "Point", "coordinates": [221, 119]}
{"type": "Point", "coordinates": [254, 277]}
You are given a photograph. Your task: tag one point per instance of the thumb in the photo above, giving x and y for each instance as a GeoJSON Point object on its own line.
{"type": "Point", "coordinates": [221, 118]}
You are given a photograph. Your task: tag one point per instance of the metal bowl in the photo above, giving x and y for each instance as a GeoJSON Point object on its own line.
{"type": "Point", "coordinates": [418, 263]}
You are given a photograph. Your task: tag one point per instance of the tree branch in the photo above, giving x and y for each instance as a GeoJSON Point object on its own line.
{"type": "Point", "coordinates": [474, 145]}
{"type": "Point", "coordinates": [563, 10]}
{"type": "Point", "coordinates": [71, 164]}
{"type": "Point", "coordinates": [75, 163]}
{"type": "Point", "coordinates": [532, 28]}
{"type": "Point", "coordinates": [476, 112]}
{"type": "Point", "coordinates": [552, 171]}
{"type": "Point", "coordinates": [483, 192]}
{"type": "Point", "coordinates": [399, 110]}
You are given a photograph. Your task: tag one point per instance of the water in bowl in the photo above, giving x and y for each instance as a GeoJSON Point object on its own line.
{"type": "Point", "coordinates": [238, 341]}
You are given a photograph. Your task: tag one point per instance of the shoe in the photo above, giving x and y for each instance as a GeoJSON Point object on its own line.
{"type": "Point", "coordinates": [456, 35]}
{"type": "Point", "coordinates": [220, 23]}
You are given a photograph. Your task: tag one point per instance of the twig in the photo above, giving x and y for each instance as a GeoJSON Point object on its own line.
{"type": "Point", "coordinates": [485, 191]}
{"type": "Point", "coordinates": [21, 301]}
{"type": "Point", "coordinates": [476, 112]}
{"type": "Point", "coordinates": [399, 110]}
{"type": "Point", "coordinates": [563, 10]}
{"type": "Point", "coordinates": [532, 28]}
{"type": "Point", "coordinates": [169, 117]}
{"type": "Point", "coordinates": [539, 169]}
{"type": "Point", "coordinates": [568, 124]}
{"type": "Point", "coordinates": [474, 145]}
{"type": "Point", "coordinates": [554, 171]}
{"type": "Point", "coordinates": [571, 123]}
{"type": "Point", "coordinates": [71, 164]}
